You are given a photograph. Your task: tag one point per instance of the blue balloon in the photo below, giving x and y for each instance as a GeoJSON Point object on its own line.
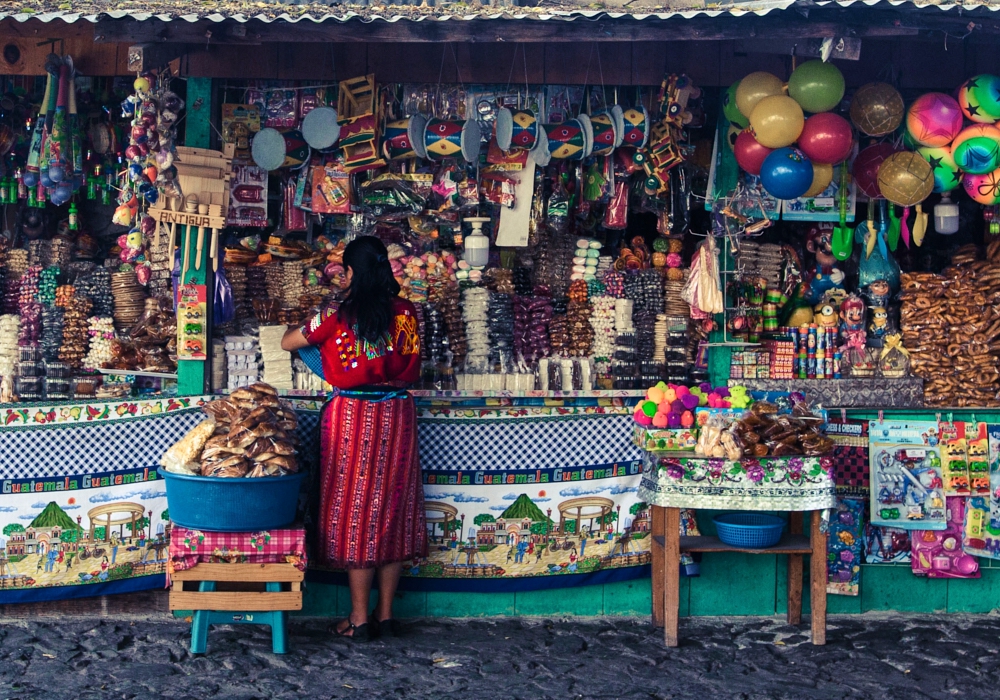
{"type": "Point", "coordinates": [786, 173]}
{"type": "Point", "coordinates": [30, 179]}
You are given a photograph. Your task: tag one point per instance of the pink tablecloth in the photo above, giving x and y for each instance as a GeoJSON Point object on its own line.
{"type": "Point", "coordinates": [191, 547]}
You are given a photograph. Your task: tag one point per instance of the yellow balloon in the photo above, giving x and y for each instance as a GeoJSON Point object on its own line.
{"type": "Point", "coordinates": [754, 88]}
{"type": "Point", "coordinates": [777, 121]}
{"type": "Point", "coordinates": [822, 177]}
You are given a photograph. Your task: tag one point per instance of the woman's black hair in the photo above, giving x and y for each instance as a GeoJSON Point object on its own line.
{"type": "Point", "coordinates": [372, 289]}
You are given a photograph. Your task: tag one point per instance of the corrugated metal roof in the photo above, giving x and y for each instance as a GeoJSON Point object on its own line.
{"type": "Point", "coordinates": [192, 11]}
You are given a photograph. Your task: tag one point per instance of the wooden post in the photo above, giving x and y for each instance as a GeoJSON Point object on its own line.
{"type": "Point", "coordinates": [671, 576]}
{"type": "Point", "coordinates": [818, 573]}
{"type": "Point", "coordinates": [197, 134]}
{"type": "Point", "coordinates": [657, 546]}
{"type": "Point", "coordinates": [795, 573]}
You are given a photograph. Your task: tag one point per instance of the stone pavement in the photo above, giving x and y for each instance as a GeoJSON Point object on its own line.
{"type": "Point", "coordinates": [883, 658]}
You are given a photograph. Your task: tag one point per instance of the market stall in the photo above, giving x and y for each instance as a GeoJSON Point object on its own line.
{"type": "Point", "coordinates": [757, 234]}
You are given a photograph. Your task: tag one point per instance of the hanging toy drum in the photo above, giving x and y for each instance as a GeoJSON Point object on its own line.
{"type": "Point", "coordinates": [636, 127]}
{"type": "Point", "coordinates": [567, 141]}
{"type": "Point", "coordinates": [503, 128]}
{"type": "Point", "coordinates": [444, 138]}
{"type": "Point", "coordinates": [404, 139]}
{"type": "Point", "coordinates": [524, 130]}
{"type": "Point", "coordinates": [607, 137]}
{"type": "Point", "coordinates": [320, 128]}
{"type": "Point", "coordinates": [272, 149]}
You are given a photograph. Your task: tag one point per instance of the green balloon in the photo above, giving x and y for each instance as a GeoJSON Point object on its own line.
{"type": "Point", "coordinates": [816, 86]}
{"type": "Point", "coordinates": [730, 109]}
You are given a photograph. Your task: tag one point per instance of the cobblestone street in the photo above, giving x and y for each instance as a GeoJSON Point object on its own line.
{"type": "Point", "coordinates": [882, 658]}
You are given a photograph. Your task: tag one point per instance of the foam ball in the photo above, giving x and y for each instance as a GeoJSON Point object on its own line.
{"type": "Point", "coordinates": [690, 402]}
{"type": "Point", "coordinates": [754, 88]}
{"type": "Point", "coordinates": [866, 167]}
{"type": "Point", "coordinates": [677, 406]}
{"type": "Point", "coordinates": [670, 395]}
{"type": "Point", "coordinates": [947, 176]}
{"type": "Point", "coordinates": [984, 188]}
{"type": "Point", "coordinates": [787, 173]}
{"type": "Point", "coordinates": [682, 391]}
{"type": "Point", "coordinates": [660, 420]}
{"type": "Point", "coordinates": [674, 420]}
{"type": "Point", "coordinates": [905, 178]}
{"type": "Point", "coordinates": [642, 419]}
{"type": "Point", "coordinates": [649, 408]}
{"type": "Point", "coordinates": [777, 121]}
{"type": "Point", "coordinates": [934, 119]}
{"type": "Point", "coordinates": [722, 391]}
{"type": "Point", "coordinates": [877, 109]}
{"type": "Point", "coordinates": [750, 153]}
{"type": "Point", "coordinates": [730, 109]}
{"type": "Point", "coordinates": [662, 386]}
{"type": "Point", "coordinates": [976, 149]}
{"type": "Point", "coordinates": [687, 419]}
{"type": "Point", "coordinates": [979, 98]}
{"type": "Point", "coordinates": [654, 394]}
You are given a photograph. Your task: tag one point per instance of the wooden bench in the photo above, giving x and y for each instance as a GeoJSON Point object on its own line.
{"type": "Point", "coordinates": [256, 594]}
{"type": "Point", "coordinates": [668, 545]}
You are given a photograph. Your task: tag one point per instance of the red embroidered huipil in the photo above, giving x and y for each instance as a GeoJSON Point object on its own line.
{"type": "Point", "coordinates": [349, 361]}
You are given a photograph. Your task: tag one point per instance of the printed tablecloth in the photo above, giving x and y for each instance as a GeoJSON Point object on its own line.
{"type": "Point", "coordinates": [188, 548]}
{"type": "Point", "coordinates": [768, 483]}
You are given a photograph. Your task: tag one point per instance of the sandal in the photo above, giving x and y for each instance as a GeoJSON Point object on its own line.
{"type": "Point", "coordinates": [352, 631]}
{"type": "Point", "coordinates": [390, 627]}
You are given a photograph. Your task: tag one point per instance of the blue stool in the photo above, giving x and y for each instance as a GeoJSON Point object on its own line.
{"type": "Point", "coordinates": [245, 607]}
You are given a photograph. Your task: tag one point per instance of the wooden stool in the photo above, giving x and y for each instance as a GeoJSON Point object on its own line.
{"type": "Point", "coordinates": [245, 605]}
{"type": "Point", "coordinates": [668, 545]}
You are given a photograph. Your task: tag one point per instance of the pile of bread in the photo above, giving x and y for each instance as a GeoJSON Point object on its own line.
{"type": "Point", "coordinates": [951, 327]}
{"type": "Point", "coordinates": [251, 433]}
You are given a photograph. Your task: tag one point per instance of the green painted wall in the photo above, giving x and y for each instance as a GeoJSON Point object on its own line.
{"type": "Point", "coordinates": [730, 584]}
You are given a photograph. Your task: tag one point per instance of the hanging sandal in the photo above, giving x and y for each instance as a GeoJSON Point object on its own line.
{"type": "Point", "coordinates": [352, 631]}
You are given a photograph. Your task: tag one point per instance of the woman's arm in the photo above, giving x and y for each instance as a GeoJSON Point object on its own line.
{"type": "Point", "coordinates": [293, 340]}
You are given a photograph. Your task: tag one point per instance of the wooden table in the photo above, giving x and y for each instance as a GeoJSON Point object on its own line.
{"type": "Point", "coordinates": [668, 545]}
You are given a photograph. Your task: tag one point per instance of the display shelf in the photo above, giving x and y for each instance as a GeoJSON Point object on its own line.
{"type": "Point", "coordinates": [789, 544]}
{"type": "Point", "coordinates": [137, 373]}
{"type": "Point", "coordinates": [483, 394]}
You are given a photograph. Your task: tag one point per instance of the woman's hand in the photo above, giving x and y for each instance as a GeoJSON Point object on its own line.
{"type": "Point", "coordinates": [293, 340]}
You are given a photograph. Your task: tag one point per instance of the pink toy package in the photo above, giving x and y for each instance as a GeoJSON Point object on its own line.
{"type": "Point", "coordinates": [938, 553]}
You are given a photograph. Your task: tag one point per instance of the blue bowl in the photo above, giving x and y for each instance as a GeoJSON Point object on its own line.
{"type": "Point", "coordinates": [748, 530]}
{"type": "Point", "coordinates": [217, 504]}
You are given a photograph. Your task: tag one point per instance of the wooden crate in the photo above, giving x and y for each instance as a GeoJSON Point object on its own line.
{"type": "Point", "coordinates": [357, 97]}
{"type": "Point", "coordinates": [249, 575]}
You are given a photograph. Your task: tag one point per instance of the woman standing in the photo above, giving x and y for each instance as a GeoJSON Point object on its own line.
{"type": "Point", "coordinates": [371, 496]}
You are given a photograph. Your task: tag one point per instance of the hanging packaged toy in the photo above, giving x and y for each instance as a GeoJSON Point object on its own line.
{"type": "Point", "coordinates": [906, 484]}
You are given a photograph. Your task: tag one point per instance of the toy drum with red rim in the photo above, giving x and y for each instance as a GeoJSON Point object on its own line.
{"type": "Point", "coordinates": [524, 130]}
{"type": "Point", "coordinates": [636, 127]}
{"type": "Point", "coordinates": [567, 141]}
{"type": "Point", "coordinates": [272, 149]}
{"type": "Point", "coordinates": [606, 134]}
{"type": "Point", "coordinates": [447, 138]}
{"type": "Point", "coordinates": [405, 138]}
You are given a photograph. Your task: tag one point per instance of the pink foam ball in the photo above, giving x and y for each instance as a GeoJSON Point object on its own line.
{"type": "Point", "coordinates": [687, 419]}
{"type": "Point", "coordinates": [660, 420]}
{"type": "Point", "coordinates": [682, 391]}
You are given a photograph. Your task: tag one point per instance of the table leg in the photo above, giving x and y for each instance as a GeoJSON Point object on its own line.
{"type": "Point", "coordinates": [199, 622]}
{"type": "Point", "coordinates": [279, 625]}
{"type": "Point", "coordinates": [671, 575]}
{"type": "Point", "coordinates": [795, 573]}
{"type": "Point", "coordinates": [657, 551]}
{"type": "Point", "coordinates": [818, 573]}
